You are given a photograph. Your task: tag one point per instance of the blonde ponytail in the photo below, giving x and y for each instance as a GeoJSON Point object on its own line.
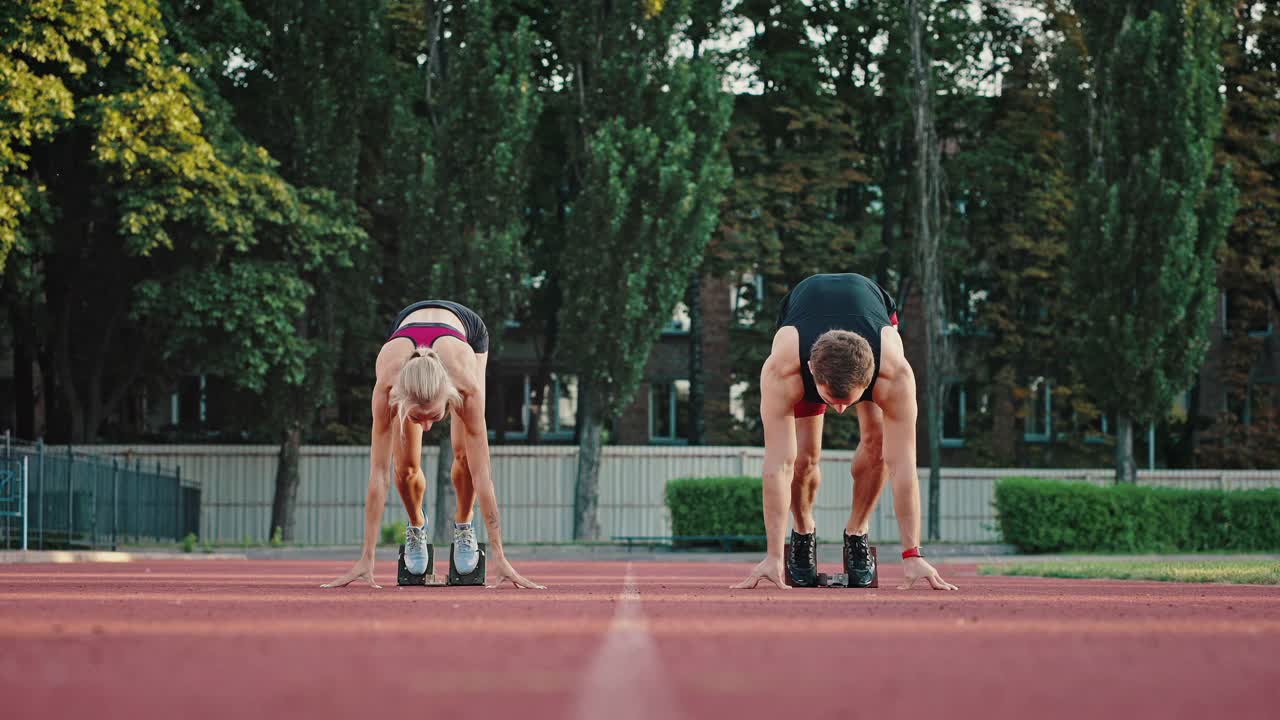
{"type": "Point", "coordinates": [422, 379]}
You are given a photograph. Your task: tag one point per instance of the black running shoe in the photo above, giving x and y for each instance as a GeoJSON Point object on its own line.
{"type": "Point", "coordinates": [802, 561]}
{"type": "Point", "coordinates": [858, 562]}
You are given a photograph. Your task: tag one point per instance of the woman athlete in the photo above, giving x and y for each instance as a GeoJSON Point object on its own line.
{"type": "Point", "coordinates": [432, 365]}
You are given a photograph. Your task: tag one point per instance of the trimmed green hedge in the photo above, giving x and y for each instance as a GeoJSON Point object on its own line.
{"type": "Point", "coordinates": [1055, 516]}
{"type": "Point", "coordinates": [717, 506]}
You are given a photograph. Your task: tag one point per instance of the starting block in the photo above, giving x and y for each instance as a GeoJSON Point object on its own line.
{"type": "Point", "coordinates": [429, 577]}
{"type": "Point", "coordinates": [836, 580]}
{"type": "Point", "coordinates": [475, 577]}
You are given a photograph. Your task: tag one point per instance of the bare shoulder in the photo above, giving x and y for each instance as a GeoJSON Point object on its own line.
{"type": "Point", "coordinates": [895, 390]}
{"type": "Point", "coordinates": [460, 362]}
{"type": "Point", "coordinates": [784, 356]}
{"type": "Point", "coordinates": [780, 383]}
{"type": "Point", "coordinates": [391, 359]}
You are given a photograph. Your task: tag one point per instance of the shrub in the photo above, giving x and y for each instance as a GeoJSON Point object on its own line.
{"type": "Point", "coordinates": [393, 534]}
{"type": "Point", "coordinates": [717, 506]}
{"type": "Point", "coordinates": [1055, 516]}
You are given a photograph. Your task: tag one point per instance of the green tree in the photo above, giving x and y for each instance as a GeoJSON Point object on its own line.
{"type": "Point", "coordinates": [1019, 207]}
{"type": "Point", "coordinates": [1249, 261]}
{"type": "Point", "coordinates": [1150, 215]}
{"type": "Point", "coordinates": [644, 147]}
{"type": "Point", "coordinates": [926, 203]}
{"type": "Point", "coordinates": [151, 239]}
{"type": "Point", "coordinates": [482, 102]}
{"type": "Point", "coordinates": [706, 23]}
{"type": "Point", "coordinates": [800, 190]}
{"type": "Point", "coordinates": [309, 69]}
{"type": "Point", "coordinates": [829, 187]}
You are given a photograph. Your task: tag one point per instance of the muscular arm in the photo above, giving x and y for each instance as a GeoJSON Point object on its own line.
{"type": "Point", "coordinates": [776, 414]}
{"type": "Point", "coordinates": [900, 457]}
{"type": "Point", "coordinates": [476, 439]}
{"type": "Point", "coordinates": [375, 498]}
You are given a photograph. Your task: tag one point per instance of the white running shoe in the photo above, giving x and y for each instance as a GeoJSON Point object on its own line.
{"type": "Point", "coordinates": [466, 552]}
{"type": "Point", "coordinates": [415, 549]}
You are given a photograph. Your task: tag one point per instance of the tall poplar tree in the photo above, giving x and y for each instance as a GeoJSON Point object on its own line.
{"type": "Point", "coordinates": [1150, 212]}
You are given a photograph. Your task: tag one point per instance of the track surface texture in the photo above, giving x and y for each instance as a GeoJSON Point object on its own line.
{"type": "Point", "coordinates": [623, 640]}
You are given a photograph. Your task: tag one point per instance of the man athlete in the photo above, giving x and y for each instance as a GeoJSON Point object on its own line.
{"type": "Point", "coordinates": [837, 345]}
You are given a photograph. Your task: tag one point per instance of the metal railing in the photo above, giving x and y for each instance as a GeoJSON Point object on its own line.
{"type": "Point", "coordinates": [67, 499]}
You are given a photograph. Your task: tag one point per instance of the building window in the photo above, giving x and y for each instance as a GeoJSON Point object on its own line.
{"type": "Point", "coordinates": [746, 298]}
{"type": "Point", "coordinates": [1262, 400]}
{"type": "Point", "coordinates": [953, 409]}
{"type": "Point", "coordinates": [515, 406]}
{"type": "Point", "coordinates": [669, 412]}
{"type": "Point", "coordinates": [188, 405]}
{"type": "Point", "coordinates": [964, 307]}
{"type": "Point", "coordinates": [1098, 430]}
{"type": "Point", "coordinates": [559, 415]}
{"type": "Point", "coordinates": [1038, 423]}
{"type": "Point", "coordinates": [1232, 305]}
{"type": "Point", "coordinates": [738, 400]}
{"type": "Point", "coordinates": [679, 324]}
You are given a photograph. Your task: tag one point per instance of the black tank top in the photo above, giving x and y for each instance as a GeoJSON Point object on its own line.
{"type": "Point", "coordinates": [836, 301]}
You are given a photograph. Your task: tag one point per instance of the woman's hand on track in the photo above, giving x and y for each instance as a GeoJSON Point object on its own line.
{"type": "Point", "coordinates": [362, 570]}
{"type": "Point", "coordinates": [503, 571]}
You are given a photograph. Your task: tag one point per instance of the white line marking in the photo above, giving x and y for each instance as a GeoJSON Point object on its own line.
{"type": "Point", "coordinates": [625, 680]}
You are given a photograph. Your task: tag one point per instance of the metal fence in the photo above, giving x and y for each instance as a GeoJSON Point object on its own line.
{"type": "Point", "coordinates": [535, 489]}
{"type": "Point", "coordinates": [73, 499]}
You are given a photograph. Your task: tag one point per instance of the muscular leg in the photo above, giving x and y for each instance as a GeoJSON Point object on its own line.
{"type": "Point", "coordinates": [408, 471]}
{"type": "Point", "coordinates": [806, 476]}
{"type": "Point", "coordinates": [460, 474]}
{"type": "Point", "coordinates": [869, 470]}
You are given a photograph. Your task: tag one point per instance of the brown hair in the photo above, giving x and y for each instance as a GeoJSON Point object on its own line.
{"type": "Point", "coordinates": [842, 360]}
{"type": "Point", "coordinates": [421, 380]}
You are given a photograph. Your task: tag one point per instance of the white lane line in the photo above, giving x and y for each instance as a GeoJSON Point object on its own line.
{"type": "Point", "coordinates": [625, 680]}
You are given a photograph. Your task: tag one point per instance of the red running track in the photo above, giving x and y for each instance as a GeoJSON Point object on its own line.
{"type": "Point", "coordinates": [232, 639]}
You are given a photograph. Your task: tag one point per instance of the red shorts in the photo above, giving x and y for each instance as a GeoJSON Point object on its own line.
{"type": "Point", "coordinates": [804, 408]}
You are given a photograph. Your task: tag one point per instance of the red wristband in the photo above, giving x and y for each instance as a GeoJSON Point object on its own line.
{"type": "Point", "coordinates": [913, 552]}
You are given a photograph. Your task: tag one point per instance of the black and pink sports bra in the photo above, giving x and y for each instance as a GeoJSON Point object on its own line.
{"type": "Point", "coordinates": [426, 333]}
{"type": "Point", "coordinates": [473, 332]}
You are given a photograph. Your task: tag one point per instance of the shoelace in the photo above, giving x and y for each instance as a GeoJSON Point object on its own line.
{"type": "Point", "coordinates": [413, 540]}
{"type": "Point", "coordinates": [864, 549]}
{"type": "Point", "coordinates": [465, 538]}
{"type": "Point", "coordinates": [810, 549]}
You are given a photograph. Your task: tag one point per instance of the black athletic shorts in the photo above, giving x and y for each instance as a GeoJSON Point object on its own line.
{"type": "Point", "coordinates": [472, 326]}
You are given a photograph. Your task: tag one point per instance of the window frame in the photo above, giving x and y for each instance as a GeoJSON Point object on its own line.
{"type": "Point", "coordinates": [953, 442]}
{"type": "Point", "coordinates": [552, 400]}
{"type": "Point", "coordinates": [674, 326]}
{"type": "Point", "coordinates": [1101, 436]}
{"type": "Point", "coordinates": [672, 410]}
{"type": "Point", "coordinates": [1046, 417]}
{"type": "Point", "coordinates": [523, 432]}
